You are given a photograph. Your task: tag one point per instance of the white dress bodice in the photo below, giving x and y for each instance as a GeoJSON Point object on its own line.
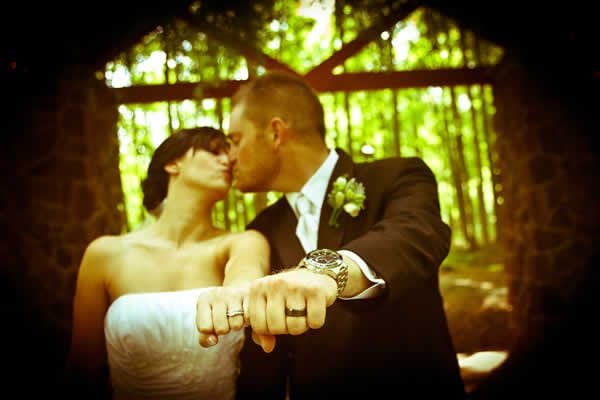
{"type": "Point", "coordinates": [153, 350]}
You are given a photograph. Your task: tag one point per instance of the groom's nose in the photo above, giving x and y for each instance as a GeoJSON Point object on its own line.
{"type": "Point", "coordinates": [232, 155]}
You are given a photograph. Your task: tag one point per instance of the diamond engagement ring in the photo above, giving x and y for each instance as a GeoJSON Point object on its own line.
{"type": "Point", "coordinates": [295, 312]}
{"type": "Point", "coordinates": [233, 313]}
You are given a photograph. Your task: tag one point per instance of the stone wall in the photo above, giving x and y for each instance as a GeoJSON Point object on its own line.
{"type": "Point", "coordinates": [547, 143]}
{"type": "Point", "coordinates": [62, 190]}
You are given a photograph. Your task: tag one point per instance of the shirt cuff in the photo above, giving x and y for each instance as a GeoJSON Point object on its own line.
{"type": "Point", "coordinates": [378, 283]}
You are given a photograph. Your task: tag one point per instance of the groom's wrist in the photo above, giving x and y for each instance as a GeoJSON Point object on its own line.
{"type": "Point", "coordinates": [330, 263]}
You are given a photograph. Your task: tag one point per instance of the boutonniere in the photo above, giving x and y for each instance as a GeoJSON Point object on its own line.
{"type": "Point", "coordinates": [346, 195]}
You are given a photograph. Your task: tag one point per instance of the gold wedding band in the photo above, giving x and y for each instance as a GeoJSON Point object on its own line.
{"type": "Point", "coordinates": [295, 312]}
{"type": "Point", "coordinates": [233, 313]}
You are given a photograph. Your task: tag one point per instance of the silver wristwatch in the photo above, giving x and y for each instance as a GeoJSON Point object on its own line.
{"type": "Point", "coordinates": [328, 262]}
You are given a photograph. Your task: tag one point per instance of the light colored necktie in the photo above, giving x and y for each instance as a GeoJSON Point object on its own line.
{"type": "Point", "coordinates": [308, 224]}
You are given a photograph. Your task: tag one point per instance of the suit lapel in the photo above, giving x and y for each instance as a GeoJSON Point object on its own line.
{"type": "Point", "coordinates": [284, 232]}
{"type": "Point", "coordinates": [288, 245]}
{"type": "Point", "coordinates": [330, 237]}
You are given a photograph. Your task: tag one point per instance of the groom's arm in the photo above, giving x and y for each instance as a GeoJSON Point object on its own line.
{"type": "Point", "coordinates": [363, 281]}
{"type": "Point", "coordinates": [403, 239]}
{"type": "Point", "coordinates": [409, 240]}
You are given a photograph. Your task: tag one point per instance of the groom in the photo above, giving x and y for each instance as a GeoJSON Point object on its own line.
{"type": "Point", "coordinates": [363, 315]}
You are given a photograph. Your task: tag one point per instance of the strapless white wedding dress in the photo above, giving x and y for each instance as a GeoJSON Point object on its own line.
{"type": "Point", "coordinates": [153, 350]}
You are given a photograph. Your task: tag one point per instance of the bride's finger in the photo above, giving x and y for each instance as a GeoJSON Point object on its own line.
{"type": "Point", "coordinates": [204, 319]}
{"type": "Point", "coordinates": [219, 318]}
{"type": "Point", "coordinates": [208, 340]}
{"type": "Point", "coordinates": [245, 308]}
{"type": "Point", "coordinates": [204, 322]}
{"type": "Point", "coordinates": [235, 314]}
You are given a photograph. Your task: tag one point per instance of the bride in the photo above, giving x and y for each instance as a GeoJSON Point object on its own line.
{"type": "Point", "coordinates": [133, 330]}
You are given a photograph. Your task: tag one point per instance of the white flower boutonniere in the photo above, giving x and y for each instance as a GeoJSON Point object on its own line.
{"type": "Point", "coordinates": [346, 195]}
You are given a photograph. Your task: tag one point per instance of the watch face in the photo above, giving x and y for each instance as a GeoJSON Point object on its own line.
{"type": "Point", "coordinates": [324, 258]}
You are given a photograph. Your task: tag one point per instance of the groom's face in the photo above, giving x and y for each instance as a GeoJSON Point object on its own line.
{"type": "Point", "coordinates": [253, 155]}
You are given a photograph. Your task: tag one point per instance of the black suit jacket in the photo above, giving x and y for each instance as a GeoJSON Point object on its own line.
{"type": "Point", "coordinates": [398, 343]}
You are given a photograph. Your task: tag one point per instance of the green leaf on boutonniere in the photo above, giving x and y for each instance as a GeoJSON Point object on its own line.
{"type": "Point", "coordinates": [346, 195]}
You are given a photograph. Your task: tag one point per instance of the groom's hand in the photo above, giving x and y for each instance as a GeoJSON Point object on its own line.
{"type": "Point", "coordinates": [267, 342]}
{"type": "Point", "coordinates": [306, 292]}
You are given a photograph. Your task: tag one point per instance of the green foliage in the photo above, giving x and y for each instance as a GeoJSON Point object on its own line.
{"type": "Point", "coordinates": [489, 257]}
{"type": "Point", "coordinates": [433, 123]}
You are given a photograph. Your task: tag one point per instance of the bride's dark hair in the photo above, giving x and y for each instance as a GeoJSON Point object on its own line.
{"type": "Point", "coordinates": [155, 185]}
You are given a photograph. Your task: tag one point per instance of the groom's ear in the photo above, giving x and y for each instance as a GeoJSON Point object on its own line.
{"type": "Point", "coordinates": [279, 131]}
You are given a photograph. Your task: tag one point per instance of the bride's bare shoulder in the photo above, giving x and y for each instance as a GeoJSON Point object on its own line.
{"type": "Point", "coordinates": [113, 245]}
{"type": "Point", "coordinates": [249, 237]}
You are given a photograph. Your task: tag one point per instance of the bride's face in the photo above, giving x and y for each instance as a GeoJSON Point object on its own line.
{"type": "Point", "coordinates": [206, 169]}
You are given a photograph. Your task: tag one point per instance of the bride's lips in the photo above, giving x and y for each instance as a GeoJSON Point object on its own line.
{"type": "Point", "coordinates": [228, 174]}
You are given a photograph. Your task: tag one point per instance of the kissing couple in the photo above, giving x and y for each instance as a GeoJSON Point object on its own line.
{"type": "Point", "coordinates": [330, 291]}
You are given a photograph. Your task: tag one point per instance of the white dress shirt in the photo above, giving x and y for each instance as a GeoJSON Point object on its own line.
{"type": "Point", "coordinates": [314, 189]}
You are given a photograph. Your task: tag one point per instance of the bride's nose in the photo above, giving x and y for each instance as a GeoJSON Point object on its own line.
{"type": "Point", "coordinates": [224, 159]}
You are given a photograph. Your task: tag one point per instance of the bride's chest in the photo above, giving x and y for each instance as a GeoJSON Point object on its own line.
{"type": "Point", "coordinates": [167, 270]}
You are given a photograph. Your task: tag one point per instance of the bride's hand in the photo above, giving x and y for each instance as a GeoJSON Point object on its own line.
{"type": "Point", "coordinates": [219, 311]}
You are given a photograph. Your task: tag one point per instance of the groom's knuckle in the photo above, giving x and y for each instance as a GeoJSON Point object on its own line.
{"type": "Point", "coordinates": [260, 330]}
{"type": "Point", "coordinates": [273, 285]}
{"type": "Point", "coordinates": [297, 327]}
{"type": "Point", "coordinates": [276, 327]}
{"type": "Point", "coordinates": [312, 289]}
{"type": "Point", "coordinates": [316, 324]}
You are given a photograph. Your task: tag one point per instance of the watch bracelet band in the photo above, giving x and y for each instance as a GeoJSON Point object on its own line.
{"type": "Point", "coordinates": [341, 277]}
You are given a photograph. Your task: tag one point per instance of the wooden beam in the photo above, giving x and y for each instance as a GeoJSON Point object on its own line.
{"type": "Point", "coordinates": [348, 82]}
{"type": "Point", "coordinates": [365, 81]}
{"type": "Point", "coordinates": [175, 92]}
{"type": "Point", "coordinates": [364, 38]}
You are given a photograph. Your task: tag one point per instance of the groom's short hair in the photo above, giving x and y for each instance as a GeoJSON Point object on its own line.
{"type": "Point", "coordinates": [284, 95]}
